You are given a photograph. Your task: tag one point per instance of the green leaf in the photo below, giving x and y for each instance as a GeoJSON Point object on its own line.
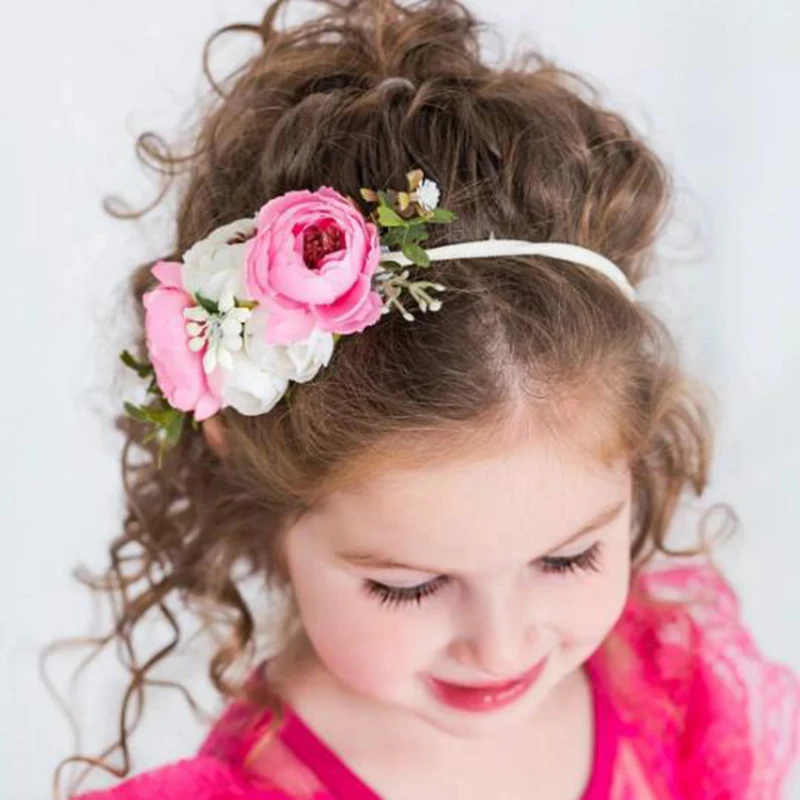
{"type": "Point", "coordinates": [441, 215]}
{"type": "Point", "coordinates": [384, 198]}
{"type": "Point", "coordinates": [389, 218]}
{"type": "Point", "coordinates": [416, 234]}
{"type": "Point", "coordinates": [136, 412]}
{"type": "Point", "coordinates": [394, 237]}
{"type": "Point", "coordinates": [163, 416]}
{"type": "Point", "coordinates": [208, 305]}
{"type": "Point", "coordinates": [416, 254]}
{"type": "Point", "coordinates": [174, 428]}
{"type": "Point", "coordinates": [141, 368]}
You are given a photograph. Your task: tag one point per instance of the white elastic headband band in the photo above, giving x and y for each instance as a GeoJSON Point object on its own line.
{"type": "Point", "coordinates": [517, 247]}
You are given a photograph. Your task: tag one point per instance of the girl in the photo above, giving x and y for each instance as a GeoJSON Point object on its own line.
{"type": "Point", "coordinates": [398, 369]}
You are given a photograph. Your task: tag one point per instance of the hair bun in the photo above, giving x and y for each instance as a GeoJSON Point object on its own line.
{"type": "Point", "coordinates": [381, 39]}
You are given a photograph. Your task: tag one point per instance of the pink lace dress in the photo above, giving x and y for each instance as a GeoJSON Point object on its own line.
{"type": "Point", "coordinates": [685, 709]}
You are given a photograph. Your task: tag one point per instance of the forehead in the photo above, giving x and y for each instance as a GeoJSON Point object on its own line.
{"type": "Point", "coordinates": [473, 512]}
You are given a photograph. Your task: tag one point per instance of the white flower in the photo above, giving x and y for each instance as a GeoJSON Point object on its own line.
{"type": "Point", "coordinates": [250, 390]}
{"type": "Point", "coordinates": [299, 361]}
{"type": "Point", "coordinates": [221, 333]}
{"type": "Point", "coordinates": [261, 372]}
{"type": "Point", "coordinates": [428, 194]}
{"type": "Point", "coordinates": [212, 267]}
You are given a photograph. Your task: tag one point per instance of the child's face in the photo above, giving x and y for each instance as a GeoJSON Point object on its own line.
{"type": "Point", "coordinates": [490, 589]}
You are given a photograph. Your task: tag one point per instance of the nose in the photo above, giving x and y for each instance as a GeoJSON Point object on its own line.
{"type": "Point", "coordinates": [497, 639]}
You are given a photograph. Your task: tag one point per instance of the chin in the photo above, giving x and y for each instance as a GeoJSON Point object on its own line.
{"type": "Point", "coordinates": [471, 725]}
{"type": "Point", "coordinates": [474, 728]}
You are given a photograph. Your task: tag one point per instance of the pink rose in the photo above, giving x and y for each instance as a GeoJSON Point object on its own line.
{"type": "Point", "coordinates": [311, 264]}
{"type": "Point", "coordinates": [179, 371]}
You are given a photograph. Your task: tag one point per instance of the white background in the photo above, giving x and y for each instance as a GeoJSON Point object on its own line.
{"type": "Point", "coordinates": [713, 83]}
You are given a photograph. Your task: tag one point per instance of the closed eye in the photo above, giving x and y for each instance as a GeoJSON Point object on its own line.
{"type": "Point", "coordinates": [401, 595]}
{"type": "Point", "coordinates": [588, 560]}
{"type": "Point", "coordinates": [394, 596]}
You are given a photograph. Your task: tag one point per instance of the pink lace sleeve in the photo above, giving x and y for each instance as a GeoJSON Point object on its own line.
{"type": "Point", "coordinates": [226, 768]}
{"type": "Point", "coordinates": [709, 714]}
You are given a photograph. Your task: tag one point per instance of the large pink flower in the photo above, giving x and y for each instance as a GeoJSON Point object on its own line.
{"type": "Point", "coordinates": [311, 265]}
{"type": "Point", "coordinates": [179, 371]}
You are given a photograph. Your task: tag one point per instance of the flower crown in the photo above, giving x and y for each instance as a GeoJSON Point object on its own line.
{"type": "Point", "coordinates": [260, 302]}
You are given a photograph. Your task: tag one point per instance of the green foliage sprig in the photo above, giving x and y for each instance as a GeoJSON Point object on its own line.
{"type": "Point", "coordinates": [165, 423]}
{"type": "Point", "coordinates": [403, 217]}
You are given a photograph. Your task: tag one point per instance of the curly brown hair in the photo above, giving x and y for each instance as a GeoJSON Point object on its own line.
{"type": "Point", "coordinates": [358, 96]}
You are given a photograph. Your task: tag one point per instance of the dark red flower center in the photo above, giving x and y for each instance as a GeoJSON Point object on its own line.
{"type": "Point", "coordinates": [319, 240]}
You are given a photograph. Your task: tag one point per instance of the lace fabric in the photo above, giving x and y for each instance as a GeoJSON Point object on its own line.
{"type": "Point", "coordinates": [706, 715]}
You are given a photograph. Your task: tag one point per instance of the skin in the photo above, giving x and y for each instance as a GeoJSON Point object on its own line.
{"type": "Point", "coordinates": [487, 523]}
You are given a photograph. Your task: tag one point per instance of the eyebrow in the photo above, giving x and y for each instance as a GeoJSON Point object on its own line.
{"type": "Point", "coordinates": [379, 561]}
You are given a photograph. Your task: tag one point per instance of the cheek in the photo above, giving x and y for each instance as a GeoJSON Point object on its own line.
{"type": "Point", "coordinates": [595, 601]}
{"type": "Point", "coordinates": [365, 646]}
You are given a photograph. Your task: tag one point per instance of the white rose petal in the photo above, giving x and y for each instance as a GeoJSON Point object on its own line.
{"type": "Point", "coordinates": [260, 372]}
{"type": "Point", "coordinates": [308, 357]}
{"type": "Point", "coordinates": [250, 390]}
{"type": "Point", "coordinates": [214, 268]}
{"type": "Point", "coordinates": [297, 362]}
{"type": "Point", "coordinates": [225, 358]}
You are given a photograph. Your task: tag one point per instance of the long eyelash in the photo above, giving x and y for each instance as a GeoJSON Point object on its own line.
{"type": "Point", "coordinates": [396, 596]}
{"type": "Point", "coordinates": [588, 560]}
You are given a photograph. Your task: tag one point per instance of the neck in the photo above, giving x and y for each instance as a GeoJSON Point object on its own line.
{"type": "Point", "coordinates": [348, 721]}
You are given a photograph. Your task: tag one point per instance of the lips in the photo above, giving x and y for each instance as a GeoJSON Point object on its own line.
{"type": "Point", "coordinates": [485, 697]}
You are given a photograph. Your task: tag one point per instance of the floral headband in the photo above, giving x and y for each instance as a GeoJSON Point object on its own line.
{"type": "Point", "coordinates": [260, 302]}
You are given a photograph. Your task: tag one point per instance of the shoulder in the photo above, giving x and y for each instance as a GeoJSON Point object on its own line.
{"type": "Point", "coordinates": [199, 778]}
{"type": "Point", "coordinates": [703, 702]}
{"type": "Point", "coordinates": [238, 760]}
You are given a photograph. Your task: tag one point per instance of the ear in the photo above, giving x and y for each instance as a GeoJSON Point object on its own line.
{"type": "Point", "coordinates": [214, 433]}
